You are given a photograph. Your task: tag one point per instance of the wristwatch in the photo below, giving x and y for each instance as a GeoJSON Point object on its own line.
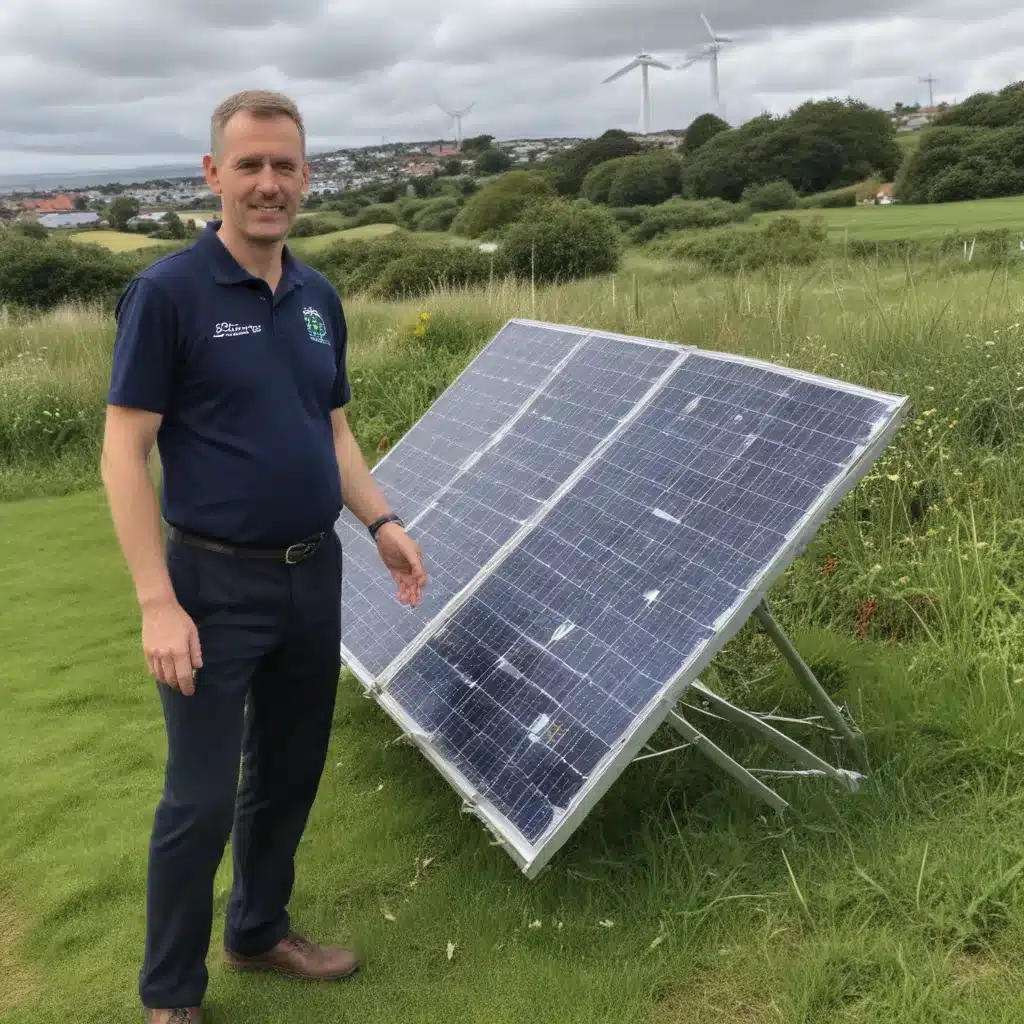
{"type": "Point", "coordinates": [384, 520]}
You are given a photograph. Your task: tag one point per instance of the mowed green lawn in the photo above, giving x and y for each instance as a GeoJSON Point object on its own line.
{"type": "Point", "coordinates": [884, 223]}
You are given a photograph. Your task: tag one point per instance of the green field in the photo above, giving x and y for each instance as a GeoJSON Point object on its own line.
{"type": "Point", "coordinates": [885, 223]}
{"type": "Point", "coordinates": [118, 241]}
{"type": "Point", "coordinates": [680, 900]}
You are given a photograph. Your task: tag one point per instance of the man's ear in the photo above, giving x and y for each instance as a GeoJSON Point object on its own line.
{"type": "Point", "coordinates": [212, 174]}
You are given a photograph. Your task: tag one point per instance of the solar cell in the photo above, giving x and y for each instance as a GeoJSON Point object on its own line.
{"type": "Point", "coordinates": [621, 530]}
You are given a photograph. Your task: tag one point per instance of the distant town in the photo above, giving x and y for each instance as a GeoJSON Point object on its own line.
{"type": "Point", "coordinates": [331, 174]}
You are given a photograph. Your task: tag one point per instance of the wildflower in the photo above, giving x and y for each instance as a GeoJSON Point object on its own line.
{"type": "Point", "coordinates": [892, 477]}
{"type": "Point", "coordinates": [904, 580]}
{"type": "Point", "coordinates": [930, 412]}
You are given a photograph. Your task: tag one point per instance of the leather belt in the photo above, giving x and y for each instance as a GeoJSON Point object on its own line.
{"type": "Point", "coordinates": [291, 555]}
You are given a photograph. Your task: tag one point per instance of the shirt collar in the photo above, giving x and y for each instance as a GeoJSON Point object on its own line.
{"type": "Point", "coordinates": [227, 270]}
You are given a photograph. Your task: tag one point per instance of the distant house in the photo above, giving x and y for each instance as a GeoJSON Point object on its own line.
{"type": "Point", "coordinates": [69, 220]}
{"type": "Point", "coordinates": [884, 195]}
{"type": "Point", "coordinates": [56, 204]}
{"type": "Point", "coordinates": [442, 151]}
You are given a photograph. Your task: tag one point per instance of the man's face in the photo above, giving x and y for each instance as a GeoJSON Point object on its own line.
{"type": "Point", "coordinates": [260, 174]}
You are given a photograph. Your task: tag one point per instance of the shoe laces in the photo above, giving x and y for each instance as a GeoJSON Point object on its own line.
{"type": "Point", "coordinates": [300, 943]}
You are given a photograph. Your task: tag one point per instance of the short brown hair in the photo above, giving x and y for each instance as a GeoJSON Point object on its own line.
{"type": "Point", "coordinates": [259, 103]}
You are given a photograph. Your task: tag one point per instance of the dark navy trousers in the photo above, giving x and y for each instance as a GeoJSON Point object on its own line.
{"type": "Point", "coordinates": [245, 755]}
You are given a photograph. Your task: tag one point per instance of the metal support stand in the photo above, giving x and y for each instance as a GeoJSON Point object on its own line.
{"type": "Point", "coordinates": [807, 679]}
{"type": "Point", "coordinates": [813, 765]}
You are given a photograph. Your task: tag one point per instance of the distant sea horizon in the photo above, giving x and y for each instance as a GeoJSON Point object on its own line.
{"type": "Point", "coordinates": [43, 181]}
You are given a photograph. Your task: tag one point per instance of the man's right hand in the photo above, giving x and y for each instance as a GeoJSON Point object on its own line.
{"type": "Point", "coordinates": [170, 641]}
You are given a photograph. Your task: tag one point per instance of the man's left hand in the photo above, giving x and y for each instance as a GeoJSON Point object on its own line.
{"type": "Point", "coordinates": [403, 557]}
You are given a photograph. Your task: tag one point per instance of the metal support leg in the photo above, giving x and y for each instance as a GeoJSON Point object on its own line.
{"type": "Point", "coordinates": [807, 679]}
{"type": "Point", "coordinates": [799, 753]}
{"type": "Point", "coordinates": [752, 785]}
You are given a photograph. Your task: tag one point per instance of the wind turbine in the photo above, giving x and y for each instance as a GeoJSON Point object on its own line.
{"type": "Point", "coordinates": [644, 62]}
{"type": "Point", "coordinates": [710, 52]}
{"type": "Point", "coordinates": [457, 116]}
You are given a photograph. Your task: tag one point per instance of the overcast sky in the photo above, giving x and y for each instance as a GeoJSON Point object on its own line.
{"type": "Point", "coordinates": [121, 83]}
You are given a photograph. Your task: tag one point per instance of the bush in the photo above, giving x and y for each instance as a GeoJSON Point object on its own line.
{"type": "Point", "coordinates": [645, 180]}
{"type": "Point", "coordinates": [768, 198]}
{"type": "Point", "coordinates": [44, 274]}
{"type": "Point", "coordinates": [685, 214]}
{"type": "Point", "coordinates": [375, 213]}
{"type": "Point", "coordinates": [436, 214]}
{"type": "Point", "coordinates": [31, 229]}
{"type": "Point", "coordinates": [429, 267]}
{"type": "Point", "coordinates": [307, 227]}
{"type": "Point", "coordinates": [599, 180]}
{"type": "Point", "coordinates": [630, 216]}
{"type": "Point", "coordinates": [783, 240]}
{"type": "Point", "coordinates": [354, 265]}
{"type": "Point", "coordinates": [560, 241]}
{"type": "Point", "coordinates": [501, 202]}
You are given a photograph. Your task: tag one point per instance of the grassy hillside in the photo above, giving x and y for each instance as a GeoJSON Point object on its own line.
{"type": "Point", "coordinates": [118, 241]}
{"type": "Point", "coordinates": [900, 220]}
{"type": "Point", "coordinates": [679, 900]}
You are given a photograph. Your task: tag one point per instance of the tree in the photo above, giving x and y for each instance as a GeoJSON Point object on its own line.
{"type": "Point", "coordinates": [492, 161]}
{"type": "Point", "coordinates": [121, 210]}
{"type": "Point", "coordinates": [173, 225]}
{"type": "Point", "coordinates": [817, 147]}
{"type": "Point", "coordinates": [703, 129]}
{"type": "Point", "coordinates": [452, 168]}
{"type": "Point", "coordinates": [81, 203]}
{"type": "Point", "coordinates": [569, 170]}
{"type": "Point", "coordinates": [477, 144]}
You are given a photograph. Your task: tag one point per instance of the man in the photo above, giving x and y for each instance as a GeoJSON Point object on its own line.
{"type": "Point", "coordinates": [230, 356]}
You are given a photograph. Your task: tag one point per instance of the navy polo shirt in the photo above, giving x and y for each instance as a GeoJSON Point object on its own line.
{"type": "Point", "coordinates": [245, 380]}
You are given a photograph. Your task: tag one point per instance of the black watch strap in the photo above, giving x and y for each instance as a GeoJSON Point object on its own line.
{"type": "Point", "coordinates": [377, 524]}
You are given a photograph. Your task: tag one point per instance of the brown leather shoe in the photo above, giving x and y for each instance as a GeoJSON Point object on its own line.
{"type": "Point", "coordinates": [297, 957]}
{"type": "Point", "coordinates": [182, 1015]}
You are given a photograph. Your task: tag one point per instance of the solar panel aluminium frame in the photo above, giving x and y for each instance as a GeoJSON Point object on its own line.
{"type": "Point", "coordinates": [532, 858]}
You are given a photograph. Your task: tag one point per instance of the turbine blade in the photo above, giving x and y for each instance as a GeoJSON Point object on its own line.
{"type": "Point", "coordinates": [707, 25]}
{"type": "Point", "coordinates": [622, 71]}
{"type": "Point", "coordinates": [724, 39]}
{"type": "Point", "coordinates": [660, 64]}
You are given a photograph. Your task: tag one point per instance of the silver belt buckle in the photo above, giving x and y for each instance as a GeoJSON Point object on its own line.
{"type": "Point", "coordinates": [302, 549]}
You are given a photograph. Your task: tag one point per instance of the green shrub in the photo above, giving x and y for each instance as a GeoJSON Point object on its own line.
{"type": "Point", "coordinates": [426, 268]}
{"type": "Point", "coordinates": [31, 229]}
{"type": "Point", "coordinates": [43, 274]}
{"type": "Point", "coordinates": [687, 214]}
{"type": "Point", "coordinates": [436, 214]}
{"type": "Point", "coordinates": [354, 265]}
{"type": "Point", "coordinates": [784, 240]}
{"type": "Point", "coordinates": [630, 216]}
{"type": "Point", "coordinates": [501, 202]}
{"type": "Point", "coordinates": [375, 213]}
{"type": "Point", "coordinates": [767, 198]}
{"type": "Point", "coordinates": [307, 227]}
{"type": "Point", "coordinates": [644, 180]}
{"type": "Point", "coordinates": [599, 180]}
{"type": "Point", "coordinates": [560, 241]}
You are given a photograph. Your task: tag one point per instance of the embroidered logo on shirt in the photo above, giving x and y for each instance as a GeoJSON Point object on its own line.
{"type": "Point", "coordinates": [228, 330]}
{"type": "Point", "coordinates": [315, 325]}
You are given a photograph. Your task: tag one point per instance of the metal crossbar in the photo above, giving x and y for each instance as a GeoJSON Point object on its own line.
{"type": "Point", "coordinates": [811, 763]}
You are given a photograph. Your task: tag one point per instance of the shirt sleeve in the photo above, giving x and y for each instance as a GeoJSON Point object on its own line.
{"type": "Point", "coordinates": [342, 393]}
{"type": "Point", "coordinates": [145, 348]}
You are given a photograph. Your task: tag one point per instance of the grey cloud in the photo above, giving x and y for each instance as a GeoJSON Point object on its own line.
{"type": "Point", "coordinates": [109, 77]}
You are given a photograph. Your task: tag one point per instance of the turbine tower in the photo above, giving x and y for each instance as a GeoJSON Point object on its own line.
{"type": "Point", "coordinates": [931, 81]}
{"type": "Point", "coordinates": [457, 116]}
{"type": "Point", "coordinates": [644, 62]}
{"type": "Point", "coordinates": [709, 52]}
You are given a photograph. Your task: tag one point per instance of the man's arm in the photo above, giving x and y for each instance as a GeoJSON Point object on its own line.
{"type": "Point", "coordinates": [170, 639]}
{"type": "Point", "coordinates": [364, 499]}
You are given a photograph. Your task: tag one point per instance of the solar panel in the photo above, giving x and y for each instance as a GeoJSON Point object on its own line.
{"type": "Point", "coordinates": [591, 555]}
